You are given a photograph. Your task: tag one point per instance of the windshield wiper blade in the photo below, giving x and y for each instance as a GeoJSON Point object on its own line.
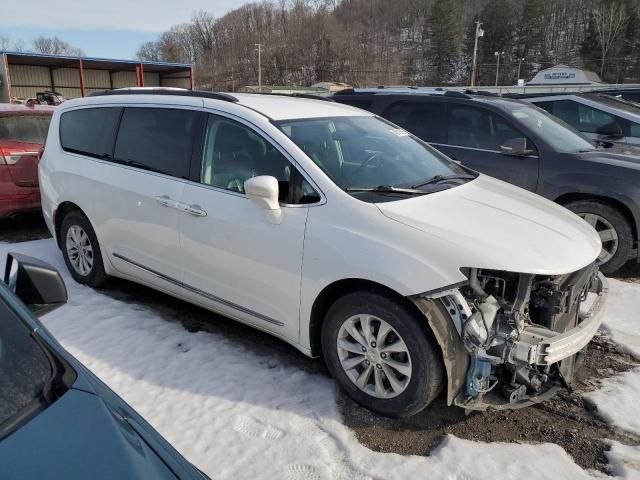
{"type": "Point", "coordinates": [385, 189]}
{"type": "Point", "coordinates": [442, 178]}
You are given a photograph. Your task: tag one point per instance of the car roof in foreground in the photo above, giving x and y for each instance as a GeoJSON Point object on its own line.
{"type": "Point", "coordinates": [286, 107]}
{"type": "Point", "coordinates": [273, 106]}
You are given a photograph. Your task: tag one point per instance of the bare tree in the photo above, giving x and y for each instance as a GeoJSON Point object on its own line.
{"type": "Point", "coordinates": [609, 21]}
{"type": "Point", "coordinates": [149, 51]}
{"type": "Point", "coordinates": [55, 46]}
{"type": "Point", "coordinates": [5, 43]}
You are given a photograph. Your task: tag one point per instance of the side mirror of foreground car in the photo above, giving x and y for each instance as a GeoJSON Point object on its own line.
{"type": "Point", "coordinates": [35, 282]}
{"type": "Point", "coordinates": [263, 190]}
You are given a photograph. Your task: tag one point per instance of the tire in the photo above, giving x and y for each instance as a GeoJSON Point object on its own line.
{"type": "Point", "coordinates": [607, 217]}
{"type": "Point", "coordinates": [76, 229]}
{"type": "Point", "coordinates": [426, 370]}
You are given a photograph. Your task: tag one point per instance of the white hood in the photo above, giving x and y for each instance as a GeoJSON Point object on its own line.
{"type": "Point", "coordinates": [490, 224]}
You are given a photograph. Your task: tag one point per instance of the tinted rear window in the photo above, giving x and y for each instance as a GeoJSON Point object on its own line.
{"type": "Point", "coordinates": [159, 139]}
{"type": "Point", "coordinates": [89, 131]}
{"type": "Point", "coordinates": [24, 128]}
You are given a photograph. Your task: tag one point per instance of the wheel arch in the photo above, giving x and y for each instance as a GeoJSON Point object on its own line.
{"type": "Point", "coordinates": [340, 288]}
{"type": "Point", "coordinates": [566, 198]}
{"type": "Point", "coordinates": [62, 211]}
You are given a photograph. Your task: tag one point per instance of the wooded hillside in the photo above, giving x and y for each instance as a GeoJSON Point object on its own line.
{"type": "Point", "coordinates": [416, 42]}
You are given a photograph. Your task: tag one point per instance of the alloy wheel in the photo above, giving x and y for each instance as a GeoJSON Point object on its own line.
{"type": "Point", "coordinates": [374, 356]}
{"type": "Point", "coordinates": [608, 235]}
{"type": "Point", "coordinates": [79, 250]}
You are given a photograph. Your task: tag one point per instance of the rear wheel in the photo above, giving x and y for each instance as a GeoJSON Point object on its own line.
{"type": "Point", "coordinates": [81, 250]}
{"type": "Point", "coordinates": [381, 354]}
{"type": "Point", "coordinates": [612, 227]}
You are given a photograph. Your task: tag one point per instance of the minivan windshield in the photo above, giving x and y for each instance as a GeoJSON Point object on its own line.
{"type": "Point", "coordinates": [560, 136]}
{"type": "Point", "coordinates": [370, 155]}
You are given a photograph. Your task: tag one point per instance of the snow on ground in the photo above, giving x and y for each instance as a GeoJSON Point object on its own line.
{"type": "Point", "coordinates": [617, 399]}
{"type": "Point", "coordinates": [236, 414]}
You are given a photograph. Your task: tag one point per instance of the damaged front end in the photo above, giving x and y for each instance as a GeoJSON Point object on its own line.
{"type": "Point", "coordinates": [511, 339]}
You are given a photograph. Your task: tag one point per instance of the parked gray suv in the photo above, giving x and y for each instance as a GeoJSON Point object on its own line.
{"type": "Point", "coordinates": [524, 145]}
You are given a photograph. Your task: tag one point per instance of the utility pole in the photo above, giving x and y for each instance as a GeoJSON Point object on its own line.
{"type": "Point", "coordinates": [498, 54]}
{"type": "Point", "coordinates": [520, 60]}
{"type": "Point", "coordinates": [259, 45]}
{"type": "Point", "coordinates": [479, 33]}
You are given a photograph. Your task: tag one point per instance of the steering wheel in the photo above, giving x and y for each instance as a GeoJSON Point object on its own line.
{"type": "Point", "coordinates": [376, 155]}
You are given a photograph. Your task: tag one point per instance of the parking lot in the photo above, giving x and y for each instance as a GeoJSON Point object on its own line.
{"type": "Point", "coordinates": [569, 420]}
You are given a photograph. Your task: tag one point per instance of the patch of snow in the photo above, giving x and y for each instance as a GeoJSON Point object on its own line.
{"type": "Point", "coordinates": [235, 414]}
{"type": "Point", "coordinates": [624, 461]}
{"type": "Point", "coordinates": [617, 400]}
{"type": "Point", "coordinates": [621, 320]}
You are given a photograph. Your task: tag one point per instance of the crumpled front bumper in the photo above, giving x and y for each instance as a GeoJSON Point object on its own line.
{"type": "Point", "coordinates": [541, 346]}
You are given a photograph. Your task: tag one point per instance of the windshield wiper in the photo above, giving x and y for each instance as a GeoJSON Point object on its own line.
{"type": "Point", "coordinates": [385, 189]}
{"type": "Point", "coordinates": [442, 178]}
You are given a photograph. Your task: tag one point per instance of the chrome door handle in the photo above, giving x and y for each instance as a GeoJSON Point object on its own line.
{"type": "Point", "coordinates": [163, 200]}
{"type": "Point", "coordinates": [166, 201]}
{"type": "Point", "coordinates": [194, 210]}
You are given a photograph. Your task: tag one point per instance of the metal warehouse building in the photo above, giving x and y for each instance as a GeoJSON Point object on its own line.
{"type": "Point", "coordinates": [22, 75]}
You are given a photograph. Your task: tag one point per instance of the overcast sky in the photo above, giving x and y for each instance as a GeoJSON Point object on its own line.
{"type": "Point", "coordinates": [106, 28]}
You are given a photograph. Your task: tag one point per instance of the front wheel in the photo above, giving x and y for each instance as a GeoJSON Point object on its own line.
{"type": "Point", "coordinates": [612, 227]}
{"type": "Point", "coordinates": [381, 354]}
{"type": "Point", "coordinates": [81, 250]}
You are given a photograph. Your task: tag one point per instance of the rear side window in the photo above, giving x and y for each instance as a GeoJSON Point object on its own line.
{"type": "Point", "coordinates": [479, 128]}
{"type": "Point", "coordinates": [157, 139]}
{"type": "Point", "coordinates": [423, 119]}
{"type": "Point", "coordinates": [89, 131]}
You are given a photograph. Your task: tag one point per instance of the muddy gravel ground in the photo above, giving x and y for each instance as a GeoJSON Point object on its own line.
{"type": "Point", "coordinates": [567, 420]}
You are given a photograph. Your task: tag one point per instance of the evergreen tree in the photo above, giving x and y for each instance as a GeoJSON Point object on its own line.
{"type": "Point", "coordinates": [497, 22]}
{"type": "Point", "coordinates": [530, 35]}
{"type": "Point", "coordinates": [441, 36]}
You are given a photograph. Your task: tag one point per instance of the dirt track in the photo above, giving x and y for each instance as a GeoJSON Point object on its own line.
{"type": "Point", "coordinates": [567, 420]}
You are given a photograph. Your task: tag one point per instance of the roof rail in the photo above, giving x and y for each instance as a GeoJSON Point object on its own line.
{"type": "Point", "coordinates": [456, 94]}
{"type": "Point", "coordinates": [485, 93]}
{"type": "Point", "coordinates": [298, 95]}
{"type": "Point", "coordinates": [166, 91]}
{"type": "Point", "coordinates": [312, 96]}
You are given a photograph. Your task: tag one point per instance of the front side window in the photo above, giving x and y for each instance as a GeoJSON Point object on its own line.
{"type": "Point", "coordinates": [157, 139]}
{"type": "Point", "coordinates": [368, 152]}
{"type": "Point", "coordinates": [422, 119]}
{"type": "Point", "coordinates": [479, 128]}
{"type": "Point", "coordinates": [234, 153]}
{"type": "Point", "coordinates": [24, 370]}
{"type": "Point", "coordinates": [24, 128]}
{"type": "Point", "coordinates": [89, 131]}
{"type": "Point", "coordinates": [586, 118]}
{"type": "Point", "coordinates": [560, 136]}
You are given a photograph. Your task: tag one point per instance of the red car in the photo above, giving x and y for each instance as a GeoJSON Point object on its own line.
{"type": "Point", "coordinates": [23, 130]}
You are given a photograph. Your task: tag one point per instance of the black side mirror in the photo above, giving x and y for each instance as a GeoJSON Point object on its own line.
{"type": "Point", "coordinates": [35, 282]}
{"type": "Point", "coordinates": [610, 130]}
{"type": "Point", "coordinates": [516, 147]}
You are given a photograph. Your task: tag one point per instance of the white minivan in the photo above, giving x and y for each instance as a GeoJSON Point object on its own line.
{"type": "Point", "coordinates": [333, 230]}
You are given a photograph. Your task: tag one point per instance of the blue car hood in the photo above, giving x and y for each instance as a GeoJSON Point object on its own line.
{"type": "Point", "coordinates": [78, 437]}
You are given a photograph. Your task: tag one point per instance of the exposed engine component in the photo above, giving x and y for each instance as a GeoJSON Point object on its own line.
{"type": "Point", "coordinates": [509, 322]}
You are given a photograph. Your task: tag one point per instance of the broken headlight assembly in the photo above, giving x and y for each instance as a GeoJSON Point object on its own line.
{"type": "Point", "coordinates": [522, 332]}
